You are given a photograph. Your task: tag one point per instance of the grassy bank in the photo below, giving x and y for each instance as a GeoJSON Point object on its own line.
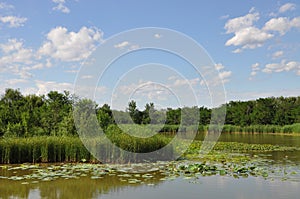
{"type": "Point", "coordinates": [288, 129]}
{"type": "Point", "coordinates": [42, 149]}
{"type": "Point", "coordinates": [71, 149]}
{"type": "Point", "coordinates": [227, 128]}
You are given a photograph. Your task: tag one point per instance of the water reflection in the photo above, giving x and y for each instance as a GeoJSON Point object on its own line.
{"type": "Point", "coordinates": [114, 186]}
{"type": "Point", "coordinates": [85, 187]}
{"type": "Point", "coordinates": [214, 187]}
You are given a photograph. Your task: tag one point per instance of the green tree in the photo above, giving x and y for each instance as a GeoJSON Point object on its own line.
{"type": "Point", "coordinates": [105, 116]}
{"type": "Point", "coordinates": [134, 113]}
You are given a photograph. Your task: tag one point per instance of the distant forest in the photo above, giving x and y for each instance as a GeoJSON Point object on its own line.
{"type": "Point", "coordinates": [52, 114]}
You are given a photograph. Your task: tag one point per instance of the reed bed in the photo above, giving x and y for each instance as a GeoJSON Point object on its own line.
{"type": "Point", "coordinates": [288, 129]}
{"type": "Point", "coordinates": [71, 149]}
{"type": "Point", "coordinates": [42, 149]}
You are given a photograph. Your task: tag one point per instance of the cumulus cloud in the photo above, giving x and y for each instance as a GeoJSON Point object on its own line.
{"type": "Point", "coordinates": [277, 54]}
{"type": "Point", "coordinates": [219, 66]}
{"type": "Point", "coordinates": [282, 66]}
{"type": "Point", "coordinates": [70, 46]}
{"type": "Point", "coordinates": [87, 77]}
{"type": "Point", "coordinates": [250, 37]}
{"type": "Point", "coordinates": [122, 44]}
{"type": "Point", "coordinates": [19, 60]}
{"type": "Point", "coordinates": [254, 69]}
{"type": "Point", "coordinates": [13, 21]}
{"type": "Point", "coordinates": [224, 75]}
{"type": "Point", "coordinates": [282, 24]}
{"type": "Point", "coordinates": [287, 7]}
{"type": "Point", "coordinates": [157, 36]}
{"type": "Point", "coordinates": [6, 6]}
{"type": "Point", "coordinates": [127, 45]}
{"type": "Point", "coordinates": [15, 56]}
{"type": "Point", "coordinates": [44, 87]}
{"type": "Point", "coordinates": [239, 23]}
{"type": "Point", "coordinates": [61, 6]}
{"type": "Point", "coordinates": [13, 82]}
{"type": "Point", "coordinates": [186, 82]}
{"type": "Point", "coordinates": [245, 33]}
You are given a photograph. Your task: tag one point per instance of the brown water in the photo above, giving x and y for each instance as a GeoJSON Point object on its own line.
{"type": "Point", "coordinates": [158, 184]}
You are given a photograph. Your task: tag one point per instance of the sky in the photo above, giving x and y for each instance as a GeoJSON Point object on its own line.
{"type": "Point", "coordinates": [253, 45]}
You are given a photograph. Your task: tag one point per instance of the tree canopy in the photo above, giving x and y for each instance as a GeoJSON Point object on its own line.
{"type": "Point", "coordinates": [52, 114]}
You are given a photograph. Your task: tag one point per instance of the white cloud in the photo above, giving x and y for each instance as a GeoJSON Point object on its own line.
{"type": "Point", "coordinates": [255, 66]}
{"type": "Point", "coordinates": [186, 82]}
{"type": "Point", "coordinates": [239, 23]}
{"type": "Point", "coordinates": [224, 75]}
{"type": "Point", "coordinates": [219, 66]}
{"type": "Point", "coordinates": [245, 33]}
{"type": "Point", "coordinates": [261, 94]}
{"type": "Point", "coordinates": [71, 71]}
{"type": "Point", "coordinates": [13, 21]}
{"type": "Point", "coordinates": [15, 54]}
{"type": "Point", "coordinates": [282, 66]}
{"type": "Point", "coordinates": [254, 69]}
{"type": "Point", "coordinates": [157, 36]}
{"type": "Point", "coordinates": [19, 60]}
{"type": "Point", "coordinates": [6, 6]}
{"type": "Point", "coordinates": [287, 7]}
{"type": "Point", "coordinates": [61, 6]}
{"type": "Point", "coordinates": [282, 24]}
{"type": "Point", "coordinates": [87, 77]}
{"type": "Point", "coordinates": [249, 37]}
{"type": "Point", "coordinates": [224, 17]}
{"type": "Point", "coordinates": [70, 46]}
{"type": "Point", "coordinates": [122, 45]}
{"type": "Point", "coordinates": [253, 73]}
{"type": "Point", "coordinates": [295, 22]}
{"type": "Point", "coordinates": [44, 87]}
{"type": "Point", "coordinates": [13, 82]}
{"type": "Point", "coordinates": [277, 54]}
{"type": "Point", "coordinates": [11, 45]}
{"type": "Point", "coordinates": [238, 50]}
{"type": "Point", "coordinates": [127, 45]}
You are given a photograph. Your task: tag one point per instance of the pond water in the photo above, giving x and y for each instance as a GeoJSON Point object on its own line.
{"type": "Point", "coordinates": [263, 138]}
{"type": "Point", "coordinates": [82, 181]}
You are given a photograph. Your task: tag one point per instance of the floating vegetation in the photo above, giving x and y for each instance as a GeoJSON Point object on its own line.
{"type": "Point", "coordinates": [237, 147]}
{"type": "Point", "coordinates": [71, 149]}
{"type": "Point", "coordinates": [218, 164]}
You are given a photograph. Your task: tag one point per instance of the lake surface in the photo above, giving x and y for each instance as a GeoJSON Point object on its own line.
{"type": "Point", "coordinates": [156, 184]}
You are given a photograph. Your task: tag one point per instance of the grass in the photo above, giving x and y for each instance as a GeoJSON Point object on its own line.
{"type": "Point", "coordinates": [71, 149]}
{"type": "Point", "coordinates": [227, 128]}
{"type": "Point", "coordinates": [42, 149]}
{"type": "Point", "coordinates": [287, 129]}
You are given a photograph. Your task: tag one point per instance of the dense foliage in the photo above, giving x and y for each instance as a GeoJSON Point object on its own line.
{"type": "Point", "coordinates": [52, 114]}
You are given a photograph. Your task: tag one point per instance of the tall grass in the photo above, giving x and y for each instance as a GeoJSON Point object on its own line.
{"type": "Point", "coordinates": [71, 149]}
{"type": "Point", "coordinates": [294, 128]}
{"type": "Point", "coordinates": [42, 149]}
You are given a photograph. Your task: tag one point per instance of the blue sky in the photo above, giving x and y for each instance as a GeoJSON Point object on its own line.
{"type": "Point", "coordinates": [254, 44]}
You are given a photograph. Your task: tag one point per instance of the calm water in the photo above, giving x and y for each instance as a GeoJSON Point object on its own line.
{"type": "Point", "coordinates": [114, 186]}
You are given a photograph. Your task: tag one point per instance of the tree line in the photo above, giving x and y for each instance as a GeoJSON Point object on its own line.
{"type": "Point", "coordinates": [52, 114]}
